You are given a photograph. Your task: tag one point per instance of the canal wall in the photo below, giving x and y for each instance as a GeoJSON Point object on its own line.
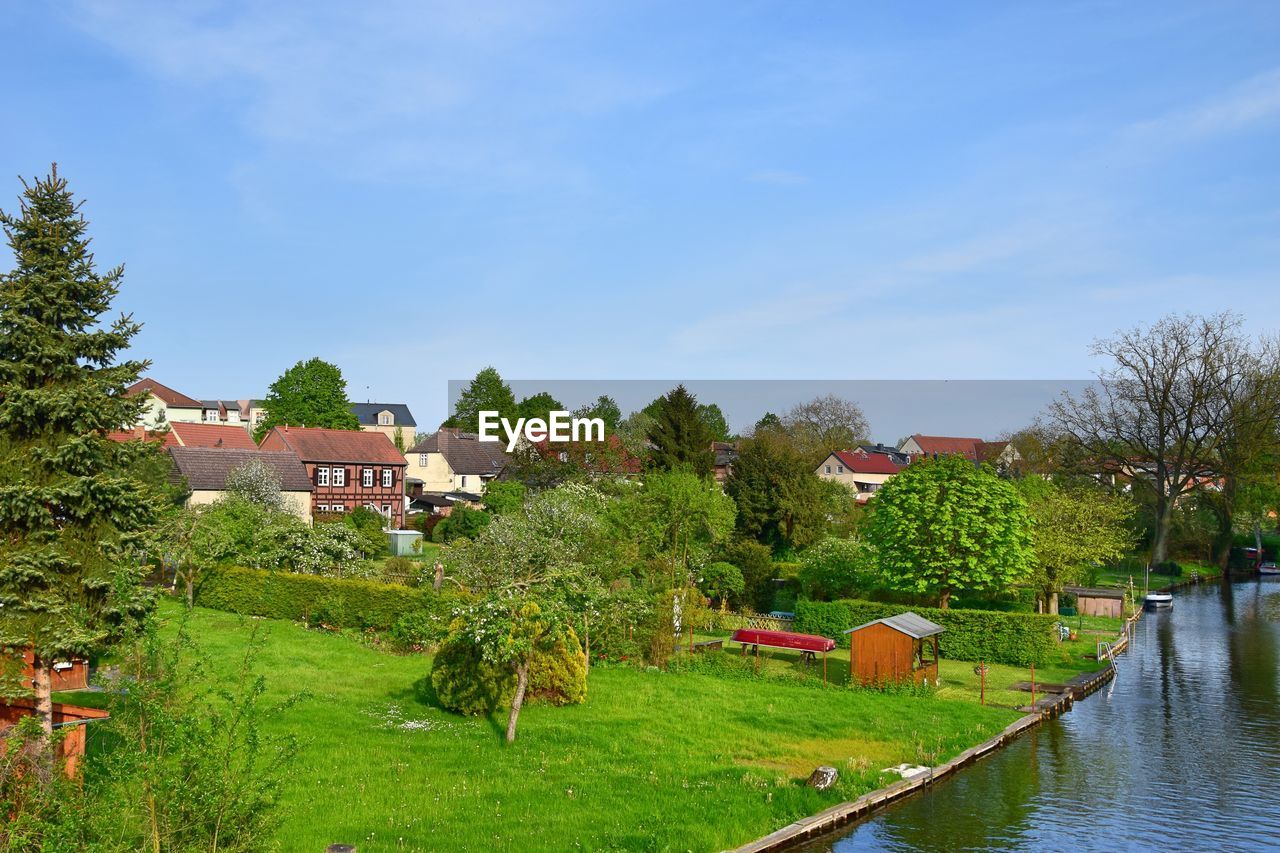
{"type": "Point", "coordinates": [844, 813]}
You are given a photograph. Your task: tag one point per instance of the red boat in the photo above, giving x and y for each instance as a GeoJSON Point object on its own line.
{"type": "Point", "coordinates": [810, 643]}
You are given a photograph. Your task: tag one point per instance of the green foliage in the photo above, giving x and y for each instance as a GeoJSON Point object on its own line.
{"type": "Point", "coordinates": [781, 502]}
{"type": "Point", "coordinates": [356, 604]}
{"type": "Point", "coordinates": [76, 506]}
{"type": "Point", "coordinates": [679, 516]}
{"type": "Point", "coordinates": [309, 394]}
{"type": "Point", "coordinates": [606, 409]}
{"type": "Point", "coordinates": [487, 392]}
{"type": "Point", "coordinates": [468, 683]}
{"type": "Point", "coordinates": [1018, 639]}
{"type": "Point", "coordinates": [713, 419]}
{"type": "Point", "coordinates": [721, 580]}
{"type": "Point", "coordinates": [540, 405]}
{"type": "Point", "coordinates": [944, 525]}
{"type": "Point", "coordinates": [679, 436]}
{"type": "Point", "coordinates": [558, 675]}
{"type": "Point", "coordinates": [502, 497]}
{"type": "Point", "coordinates": [368, 525]}
{"type": "Point", "coordinates": [835, 568]}
{"type": "Point", "coordinates": [755, 561]}
{"type": "Point", "coordinates": [463, 522]}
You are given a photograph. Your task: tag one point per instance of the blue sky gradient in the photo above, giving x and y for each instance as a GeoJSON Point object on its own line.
{"type": "Point", "coordinates": [711, 190]}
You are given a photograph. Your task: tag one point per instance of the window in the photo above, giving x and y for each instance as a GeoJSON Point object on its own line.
{"type": "Point", "coordinates": [211, 416]}
{"type": "Point", "coordinates": [386, 510]}
{"type": "Point", "coordinates": [388, 478]}
{"type": "Point", "coordinates": [828, 469]}
{"type": "Point", "coordinates": [259, 416]}
{"type": "Point", "coordinates": [338, 508]}
{"type": "Point", "coordinates": [839, 469]}
{"type": "Point", "coordinates": [422, 460]}
{"type": "Point", "coordinates": [322, 476]}
{"type": "Point", "coordinates": [384, 418]}
{"type": "Point", "coordinates": [322, 508]}
{"type": "Point", "coordinates": [339, 477]}
{"type": "Point", "coordinates": [366, 478]}
{"type": "Point", "coordinates": [463, 483]}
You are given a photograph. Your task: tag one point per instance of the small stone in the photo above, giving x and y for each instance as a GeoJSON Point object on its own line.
{"type": "Point", "coordinates": [340, 848]}
{"type": "Point", "coordinates": [823, 778]}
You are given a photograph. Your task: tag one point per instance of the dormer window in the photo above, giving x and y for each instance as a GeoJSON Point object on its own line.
{"type": "Point", "coordinates": [211, 416]}
{"type": "Point", "coordinates": [385, 419]}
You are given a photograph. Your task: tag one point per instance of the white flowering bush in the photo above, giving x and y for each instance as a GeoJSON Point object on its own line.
{"type": "Point", "coordinates": [258, 483]}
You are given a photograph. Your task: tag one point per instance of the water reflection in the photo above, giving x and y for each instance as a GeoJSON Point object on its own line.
{"type": "Point", "coordinates": [1180, 752]}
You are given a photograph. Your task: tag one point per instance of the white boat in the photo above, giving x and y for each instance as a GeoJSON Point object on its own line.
{"type": "Point", "coordinates": [1269, 568]}
{"type": "Point", "coordinates": [1158, 600]}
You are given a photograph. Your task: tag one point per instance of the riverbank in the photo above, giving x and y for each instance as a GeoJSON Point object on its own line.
{"type": "Point", "coordinates": [1043, 709]}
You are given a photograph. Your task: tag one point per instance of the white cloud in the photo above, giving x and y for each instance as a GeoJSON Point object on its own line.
{"type": "Point", "coordinates": [1247, 103]}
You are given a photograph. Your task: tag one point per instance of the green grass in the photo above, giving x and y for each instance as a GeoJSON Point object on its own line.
{"type": "Point", "coordinates": [651, 760]}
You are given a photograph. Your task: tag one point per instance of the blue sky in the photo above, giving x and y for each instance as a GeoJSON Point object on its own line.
{"type": "Point", "coordinates": [607, 190]}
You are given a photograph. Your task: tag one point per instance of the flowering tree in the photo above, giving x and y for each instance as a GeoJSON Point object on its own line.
{"type": "Point", "coordinates": [258, 483]}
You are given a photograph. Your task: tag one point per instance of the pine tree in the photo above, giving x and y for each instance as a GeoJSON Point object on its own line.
{"type": "Point", "coordinates": [309, 394]}
{"type": "Point", "coordinates": [679, 436]}
{"type": "Point", "coordinates": [74, 505]}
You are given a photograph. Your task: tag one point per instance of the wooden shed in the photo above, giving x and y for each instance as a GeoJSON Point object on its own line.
{"type": "Point", "coordinates": [1098, 602]}
{"type": "Point", "coordinates": [896, 648]}
{"type": "Point", "coordinates": [71, 749]}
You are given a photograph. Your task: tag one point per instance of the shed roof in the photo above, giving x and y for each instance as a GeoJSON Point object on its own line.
{"type": "Point", "coordinates": [1094, 592]}
{"type": "Point", "coordinates": [907, 623]}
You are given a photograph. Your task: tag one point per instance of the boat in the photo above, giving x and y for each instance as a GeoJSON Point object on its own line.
{"type": "Point", "coordinates": [1158, 600]}
{"type": "Point", "coordinates": [1268, 568]}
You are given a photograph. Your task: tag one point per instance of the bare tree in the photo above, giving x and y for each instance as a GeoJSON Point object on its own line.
{"type": "Point", "coordinates": [1158, 409]}
{"type": "Point", "coordinates": [825, 424]}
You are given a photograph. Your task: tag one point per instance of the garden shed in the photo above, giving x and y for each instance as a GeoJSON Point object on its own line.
{"type": "Point", "coordinates": [896, 648]}
{"type": "Point", "coordinates": [71, 747]}
{"type": "Point", "coordinates": [1098, 602]}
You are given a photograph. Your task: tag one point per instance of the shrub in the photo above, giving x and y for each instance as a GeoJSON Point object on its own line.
{"type": "Point", "coordinates": [835, 567]}
{"type": "Point", "coordinates": [1168, 568]}
{"type": "Point", "coordinates": [461, 523]}
{"type": "Point", "coordinates": [342, 603]}
{"type": "Point", "coordinates": [1017, 639]}
{"type": "Point", "coordinates": [467, 683]}
{"type": "Point", "coordinates": [721, 580]}
{"type": "Point", "coordinates": [755, 561]}
{"type": "Point", "coordinates": [418, 629]}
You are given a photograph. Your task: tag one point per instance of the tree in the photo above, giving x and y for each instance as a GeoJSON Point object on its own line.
{"type": "Point", "coordinates": [1157, 409]}
{"type": "Point", "coordinates": [825, 424]}
{"type": "Point", "coordinates": [679, 436]}
{"type": "Point", "coordinates": [258, 483]}
{"type": "Point", "coordinates": [540, 405]}
{"type": "Point", "coordinates": [713, 419]}
{"type": "Point", "coordinates": [835, 568]}
{"type": "Point", "coordinates": [606, 409]}
{"type": "Point", "coordinates": [502, 497]}
{"type": "Point", "coordinates": [1072, 528]}
{"type": "Point", "coordinates": [720, 580]}
{"type": "Point", "coordinates": [781, 501]}
{"type": "Point", "coordinates": [74, 509]}
{"type": "Point", "coordinates": [945, 524]}
{"type": "Point", "coordinates": [309, 394]}
{"type": "Point", "coordinates": [486, 393]}
{"type": "Point", "coordinates": [681, 515]}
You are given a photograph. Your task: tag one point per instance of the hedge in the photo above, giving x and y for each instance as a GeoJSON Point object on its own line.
{"type": "Point", "coordinates": [1018, 639]}
{"type": "Point", "coordinates": [307, 598]}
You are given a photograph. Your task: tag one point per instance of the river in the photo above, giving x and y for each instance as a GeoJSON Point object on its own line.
{"type": "Point", "coordinates": [1180, 751]}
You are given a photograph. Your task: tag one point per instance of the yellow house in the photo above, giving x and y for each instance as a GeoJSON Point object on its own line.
{"type": "Point", "coordinates": [164, 405]}
{"type": "Point", "coordinates": [453, 461]}
{"type": "Point", "coordinates": [394, 420]}
{"type": "Point", "coordinates": [204, 471]}
{"type": "Point", "coordinates": [861, 472]}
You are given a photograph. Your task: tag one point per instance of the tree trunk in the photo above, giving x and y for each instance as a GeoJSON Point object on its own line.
{"type": "Point", "coordinates": [42, 683]}
{"type": "Point", "coordinates": [1225, 512]}
{"type": "Point", "coordinates": [944, 598]}
{"type": "Point", "coordinates": [517, 701]}
{"type": "Point", "coordinates": [1164, 520]}
{"type": "Point", "coordinates": [439, 577]}
{"type": "Point", "coordinates": [191, 590]}
{"type": "Point", "coordinates": [1053, 603]}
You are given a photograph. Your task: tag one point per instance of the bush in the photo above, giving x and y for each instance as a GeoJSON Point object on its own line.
{"type": "Point", "coordinates": [1168, 568]}
{"type": "Point", "coordinates": [307, 598]}
{"type": "Point", "coordinates": [462, 522]}
{"type": "Point", "coordinates": [468, 684]}
{"type": "Point", "coordinates": [1017, 639]}
{"type": "Point", "coordinates": [755, 561]}
{"type": "Point", "coordinates": [834, 568]}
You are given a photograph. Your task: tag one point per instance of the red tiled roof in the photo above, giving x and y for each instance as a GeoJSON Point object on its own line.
{"type": "Point", "coordinates": [313, 444]}
{"type": "Point", "coordinates": [162, 392]}
{"type": "Point", "coordinates": [861, 462]}
{"type": "Point", "coordinates": [166, 439]}
{"type": "Point", "coordinates": [945, 444]}
{"type": "Point", "coordinates": [226, 436]}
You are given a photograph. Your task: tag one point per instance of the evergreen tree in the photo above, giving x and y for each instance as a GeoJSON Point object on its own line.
{"type": "Point", "coordinates": [486, 393]}
{"type": "Point", "coordinates": [309, 394]}
{"type": "Point", "coordinates": [679, 436]}
{"type": "Point", "coordinates": [74, 505]}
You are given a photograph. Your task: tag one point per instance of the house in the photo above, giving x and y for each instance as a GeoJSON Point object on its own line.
{"type": "Point", "coordinates": [893, 453]}
{"type": "Point", "coordinates": [998, 453]}
{"type": "Point", "coordinates": [896, 648]}
{"type": "Point", "coordinates": [453, 461]}
{"type": "Point", "coordinates": [726, 453]}
{"type": "Point", "coordinates": [348, 468]}
{"type": "Point", "coordinates": [1092, 601]}
{"type": "Point", "coordinates": [165, 405]}
{"type": "Point", "coordinates": [394, 420]}
{"type": "Point", "coordinates": [861, 472]}
{"type": "Point", "coordinates": [205, 471]}
{"type": "Point", "coordinates": [184, 434]}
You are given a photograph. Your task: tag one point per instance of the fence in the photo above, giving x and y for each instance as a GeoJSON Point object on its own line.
{"type": "Point", "coordinates": [758, 621]}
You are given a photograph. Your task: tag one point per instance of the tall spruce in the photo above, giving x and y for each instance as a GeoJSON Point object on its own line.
{"type": "Point", "coordinates": [679, 435]}
{"type": "Point", "coordinates": [74, 505]}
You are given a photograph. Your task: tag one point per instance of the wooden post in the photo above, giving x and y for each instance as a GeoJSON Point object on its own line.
{"type": "Point", "coordinates": [982, 673]}
{"type": "Point", "coordinates": [757, 657]}
{"type": "Point", "coordinates": [1033, 686]}
{"type": "Point", "coordinates": [824, 666]}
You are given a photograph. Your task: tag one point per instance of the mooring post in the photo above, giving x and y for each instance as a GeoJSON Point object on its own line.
{"type": "Point", "coordinates": [1033, 686]}
{"type": "Point", "coordinates": [982, 671]}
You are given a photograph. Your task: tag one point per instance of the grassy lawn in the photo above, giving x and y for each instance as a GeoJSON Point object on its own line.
{"type": "Point", "coordinates": [651, 760]}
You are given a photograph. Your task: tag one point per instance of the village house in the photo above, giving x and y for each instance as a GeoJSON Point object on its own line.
{"type": "Point", "coordinates": [165, 405]}
{"type": "Point", "coordinates": [726, 453]}
{"type": "Point", "coordinates": [998, 453]}
{"type": "Point", "coordinates": [347, 468]}
{"type": "Point", "coordinates": [453, 461]}
{"type": "Point", "coordinates": [861, 472]}
{"type": "Point", "coordinates": [394, 420]}
{"type": "Point", "coordinates": [204, 471]}
{"type": "Point", "coordinates": [183, 434]}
